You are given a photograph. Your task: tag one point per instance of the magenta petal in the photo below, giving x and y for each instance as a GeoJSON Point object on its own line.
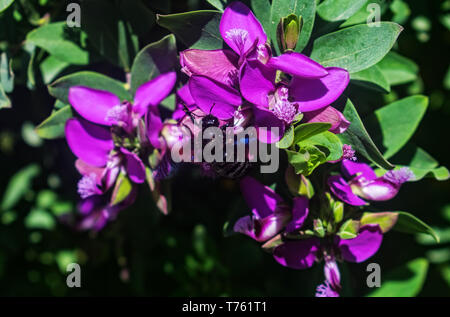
{"type": "Point", "coordinates": [134, 166]}
{"type": "Point", "coordinates": [261, 199]}
{"type": "Point", "coordinates": [153, 92]}
{"type": "Point", "coordinates": [154, 126]}
{"type": "Point", "coordinates": [378, 189]}
{"type": "Point", "coordinates": [218, 65]}
{"type": "Point", "coordinates": [86, 170]}
{"type": "Point", "coordinates": [343, 191]}
{"type": "Point", "coordinates": [262, 229]}
{"type": "Point", "coordinates": [240, 29]}
{"type": "Point", "coordinates": [257, 82]}
{"type": "Point", "coordinates": [93, 104]}
{"type": "Point", "coordinates": [300, 210]}
{"type": "Point", "coordinates": [363, 246]}
{"type": "Point", "coordinates": [351, 169]}
{"type": "Point", "coordinates": [300, 254]}
{"type": "Point", "coordinates": [183, 98]}
{"type": "Point", "coordinates": [88, 141]}
{"type": "Point", "coordinates": [264, 122]}
{"type": "Point", "coordinates": [297, 64]}
{"type": "Point", "coordinates": [313, 94]}
{"type": "Point", "coordinates": [207, 93]}
{"type": "Point", "coordinates": [328, 114]}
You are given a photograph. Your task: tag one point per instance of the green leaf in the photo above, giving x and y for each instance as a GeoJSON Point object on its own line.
{"type": "Point", "coordinates": [288, 138]}
{"type": "Point", "coordinates": [19, 185]}
{"type": "Point", "coordinates": [349, 229]}
{"type": "Point", "coordinates": [404, 281]}
{"type": "Point", "coordinates": [371, 78]}
{"type": "Point", "coordinates": [53, 126]}
{"type": "Point", "coordinates": [51, 67]}
{"type": "Point", "coordinates": [282, 8]}
{"type": "Point", "coordinates": [121, 190]}
{"type": "Point", "coordinates": [327, 140]}
{"type": "Point", "coordinates": [397, 122]}
{"type": "Point", "coordinates": [362, 14]}
{"type": "Point", "coordinates": [401, 11]}
{"type": "Point", "coordinates": [4, 4]}
{"type": "Point", "coordinates": [60, 88]}
{"type": "Point", "coordinates": [262, 11]}
{"type": "Point", "coordinates": [398, 69]}
{"type": "Point", "coordinates": [386, 220]}
{"type": "Point", "coordinates": [6, 73]}
{"type": "Point", "coordinates": [196, 29]}
{"type": "Point", "coordinates": [4, 100]}
{"type": "Point", "coordinates": [339, 10]}
{"type": "Point", "coordinates": [356, 135]}
{"type": "Point", "coordinates": [306, 159]}
{"type": "Point", "coordinates": [307, 130]}
{"type": "Point", "coordinates": [53, 38]}
{"type": "Point", "coordinates": [39, 219]}
{"type": "Point", "coordinates": [154, 59]}
{"type": "Point", "coordinates": [357, 47]}
{"type": "Point", "coordinates": [218, 4]}
{"type": "Point", "coordinates": [408, 223]}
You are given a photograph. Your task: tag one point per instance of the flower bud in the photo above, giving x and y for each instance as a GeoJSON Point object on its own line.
{"type": "Point", "coordinates": [288, 31]}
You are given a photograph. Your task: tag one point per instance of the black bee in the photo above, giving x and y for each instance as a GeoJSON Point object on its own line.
{"type": "Point", "coordinates": [225, 169]}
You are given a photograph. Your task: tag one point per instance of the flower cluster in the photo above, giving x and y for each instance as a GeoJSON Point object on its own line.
{"type": "Point", "coordinates": [120, 144]}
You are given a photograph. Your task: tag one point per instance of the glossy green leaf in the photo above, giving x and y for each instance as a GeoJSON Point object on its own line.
{"type": "Point", "coordinates": [398, 69]}
{"type": "Point", "coordinates": [371, 78]}
{"type": "Point", "coordinates": [408, 223]}
{"type": "Point", "coordinates": [357, 47]}
{"type": "Point", "coordinates": [51, 67]}
{"type": "Point", "coordinates": [218, 4]}
{"type": "Point", "coordinates": [121, 190]}
{"type": "Point", "coordinates": [306, 160]}
{"type": "Point", "coordinates": [53, 38]}
{"type": "Point", "coordinates": [404, 281]}
{"type": "Point", "coordinates": [53, 126]}
{"type": "Point", "coordinates": [4, 100]}
{"type": "Point", "coordinates": [288, 138]}
{"type": "Point", "coordinates": [6, 73]}
{"type": "Point", "coordinates": [60, 88]}
{"type": "Point", "coordinates": [326, 140]}
{"type": "Point", "coordinates": [396, 123]}
{"type": "Point", "coordinates": [307, 130]}
{"type": "Point", "coordinates": [19, 184]}
{"type": "Point", "coordinates": [339, 10]}
{"type": "Point", "coordinates": [154, 59]}
{"type": "Point", "coordinates": [4, 4]}
{"type": "Point", "coordinates": [356, 135]}
{"type": "Point", "coordinates": [282, 8]}
{"type": "Point", "coordinates": [363, 13]}
{"type": "Point", "coordinates": [196, 29]}
{"type": "Point", "coordinates": [262, 11]}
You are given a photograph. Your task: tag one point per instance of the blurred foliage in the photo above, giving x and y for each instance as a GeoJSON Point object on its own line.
{"type": "Point", "coordinates": [186, 253]}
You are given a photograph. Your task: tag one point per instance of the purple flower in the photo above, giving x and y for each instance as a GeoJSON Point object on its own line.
{"type": "Point", "coordinates": [270, 214]}
{"type": "Point", "coordinates": [364, 183]}
{"type": "Point", "coordinates": [106, 134]}
{"type": "Point", "coordinates": [302, 254]}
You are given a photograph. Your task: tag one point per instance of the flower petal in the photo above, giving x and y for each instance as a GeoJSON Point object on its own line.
{"type": "Point", "coordinates": [363, 246]}
{"type": "Point", "coordinates": [153, 92]}
{"type": "Point", "coordinates": [270, 129]}
{"type": "Point", "coordinates": [328, 114]}
{"type": "Point", "coordinates": [154, 126]}
{"type": "Point", "coordinates": [218, 65]}
{"type": "Point", "coordinates": [89, 142]}
{"type": "Point", "coordinates": [85, 169]}
{"type": "Point", "coordinates": [240, 29]}
{"type": "Point", "coordinates": [343, 191]}
{"type": "Point", "coordinates": [93, 104]}
{"type": "Point", "coordinates": [183, 98]}
{"type": "Point", "coordinates": [261, 199]}
{"type": "Point", "coordinates": [134, 166]}
{"type": "Point", "coordinates": [378, 189]}
{"type": "Point", "coordinates": [257, 82]}
{"type": "Point", "coordinates": [300, 210]}
{"type": "Point", "coordinates": [208, 93]}
{"type": "Point", "coordinates": [300, 254]}
{"type": "Point", "coordinates": [297, 64]}
{"type": "Point", "coordinates": [313, 94]}
{"type": "Point", "coordinates": [351, 169]}
{"type": "Point", "coordinates": [263, 229]}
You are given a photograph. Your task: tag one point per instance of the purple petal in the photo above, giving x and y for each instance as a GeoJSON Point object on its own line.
{"type": "Point", "coordinates": [153, 92]}
{"type": "Point", "coordinates": [218, 65]}
{"type": "Point", "coordinates": [378, 189]}
{"type": "Point", "coordinates": [363, 246]}
{"type": "Point", "coordinates": [257, 82]}
{"type": "Point", "coordinates": [134, 166]}
{"type": "Point", "coordinates": [264, 122]}
{"type": "Point", "coordinates": [351, 169]}
{"type": "Point", "coordinates": [263, 229]}
{"type": "Point", "coordinates": [207, 93]}
{"type": "Point", "coordinates": [89, 142]}
{"type": "Point", "coordinates": [313, 94]}
{"type": "Point", "coordinates": [183, 98]}
{"type": "Point", "coordinates": [85, 169]}
{"type": "Point", "coordinates": [300, 254]}
{"type": "Point", "coordinates": [297, 64]}
{"type": "Point", "coordinates": [328, 114]}
{"type": "Point", "coordinates": [343, 191]}
{"type": "Point", "coordinates": [240, 29]}
{"type": "Point", "coordinates": [93, 104]}
{"type": "Point", "coordinates": [261, 199]}
{"type": "Point", "coordinates": [300, 211]}
{"type": "Point", "coordinates": [154, 126]}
